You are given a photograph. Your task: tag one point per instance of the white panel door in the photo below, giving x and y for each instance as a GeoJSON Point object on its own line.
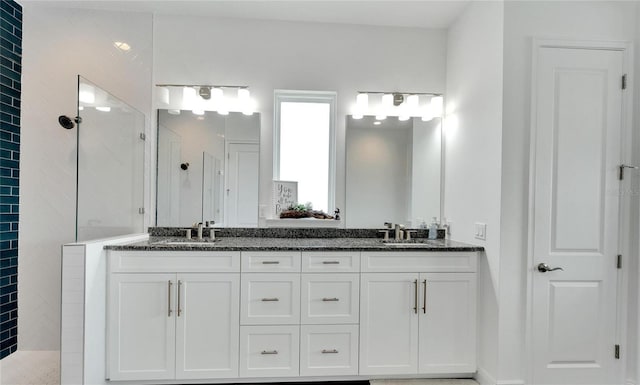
{"type": "Point", "coordinates": [142, 326]}
{"type": "Point", "coordinates": [447, 323]}
{"type": "Point", "coordinates": [207, 326]}
{"type": "Point", "coordinates": [243, 164]}
{"type": "Point", "coordinates": [389, 323]}
{"type": "Point", "coordinates": [576, 210]}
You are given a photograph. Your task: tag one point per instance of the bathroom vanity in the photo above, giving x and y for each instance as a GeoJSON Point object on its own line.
{"type": "Point", "coordinates": [288, 309]}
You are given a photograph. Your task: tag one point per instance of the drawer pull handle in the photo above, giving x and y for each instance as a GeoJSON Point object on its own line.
{"type": "Point", "coordinates": [330, 299]}
{"type": "Point", "coordinates": [269, 352]}
{"type": "Point", "coordinates": [270, 300]}
{"type": "Point", "coordinates": [332, 351]}
{"type": "Point", "coordinates": [330, 262]}
{"type": "Point", "coordinates": [270, 262]}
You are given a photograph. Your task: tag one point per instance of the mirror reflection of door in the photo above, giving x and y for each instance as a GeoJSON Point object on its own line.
{"type": "Point", "coordinates": [192, 159]}
{"type": "Point", "coordinates": [242, 185]}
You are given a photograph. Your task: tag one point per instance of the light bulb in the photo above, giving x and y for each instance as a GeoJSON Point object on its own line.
{"type": "Point", "coordinates": [164, 95]}
{"type": "Point", "coordinates": [223, 111]}
{"type": "Point", "coordinates": [362, 101]}
{"type": "Point", "coordinates": [243, 95]}
{"type": "Point", "coordinates": [427, 113]}
{"type": "Point", "coordinates": [198, 112]}
{"type": "Point", "coordinates": [437, 106]}
{"type": "Point", "coordinates": [387, 100]}
{"type": "Point", "coordinates": [412, 101]}
{"type": "Point", "coordinates": [381, 117]}
{"type": "Point", "coordinates": [188, 97]}
{"type": "Point", "coordinates": [377, 123]}
{"type": "Point", "coordinates": [403, 118]}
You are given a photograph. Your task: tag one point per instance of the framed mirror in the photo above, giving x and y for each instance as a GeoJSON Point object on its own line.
{"type": "Point", "coordinates": [208, 168]}
{"type": "Point", "coordinates": [393, 171]}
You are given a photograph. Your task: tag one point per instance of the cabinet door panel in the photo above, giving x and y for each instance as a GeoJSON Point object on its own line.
{"type": "Point", "coordinates": [448, 324]}
{"type": "Point", "coordinates": [142, 326]}
{"type": "Point", "coordinates": [207, 326]}
{"type": "Point", "coordinates": [388, 324]}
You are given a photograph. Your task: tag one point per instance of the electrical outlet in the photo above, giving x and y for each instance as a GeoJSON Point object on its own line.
{"type": "Point", "coordinates": [481, 231]}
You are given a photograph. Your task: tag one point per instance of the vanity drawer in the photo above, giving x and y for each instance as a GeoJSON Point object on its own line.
{"type": "Point", "coordinates": [331, 262]}
{"type": "Point", "coordinates": [419, 262]}
{"type": "Point", "coordinates": [269, 351]}
{"type": "Point", "coordinates": [270, 299]}
{"type": "Point", "coordinates": [330, 298]}
{"type": "Point", "coordinates": [174, 261]}
{"type": "Point", "coordinates": [271, 262]}
{"type": "Point", "coordinates": [328, 350]}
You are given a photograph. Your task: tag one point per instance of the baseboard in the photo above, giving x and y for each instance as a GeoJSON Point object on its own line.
{"type": "Point", "coordinates": [510, 382]}
{"type": "Point", "coordinates": [484, 378]}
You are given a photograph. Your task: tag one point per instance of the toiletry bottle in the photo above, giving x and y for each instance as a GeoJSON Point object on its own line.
{"type": "Point", "coordinates": [433, 229]}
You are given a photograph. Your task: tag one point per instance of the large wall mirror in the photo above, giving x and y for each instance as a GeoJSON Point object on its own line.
{"type": "Point", "coordinates": [208, 168]}
{"type": "Point", "coordinates": [393, 171]}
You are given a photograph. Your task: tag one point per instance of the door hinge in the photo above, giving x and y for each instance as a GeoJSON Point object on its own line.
{"type": "Point", "coordinates": [141, 210]}
{"type": "Point", "coordinates": [143, 136]}
{"type": "Point", "coordinates": [624, 81]}
{"type": "Point", "coordinates": [619, 261]}
{"type": "Point", "coordinates": [617, 352]}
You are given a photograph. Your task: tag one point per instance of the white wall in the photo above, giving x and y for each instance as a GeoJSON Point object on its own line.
{"type": "Point", "coordinates": [523, 20]}
{"type": "Point", "coordinates": [269, 55]}
{"type": "Point", "coordinates": [59, 44]}
{"type": "Point", "coordinates": [473, 132]}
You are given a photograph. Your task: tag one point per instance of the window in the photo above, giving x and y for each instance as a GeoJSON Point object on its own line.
{"type": "Point", "coordinates": [304, 145]}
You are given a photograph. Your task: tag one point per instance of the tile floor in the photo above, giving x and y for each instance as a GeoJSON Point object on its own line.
{"type": "Point", "coordinates": [31, 368]}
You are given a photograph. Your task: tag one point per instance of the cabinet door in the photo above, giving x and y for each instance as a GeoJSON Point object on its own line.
{"type": "Point", "coordinates": [141, 326]}
{"type": "Point", "coordinates": [447, 323]}
{"type": "Point", "coordinates": [388, 323]}
{"type": "Point", "coordinates": [207, 329]}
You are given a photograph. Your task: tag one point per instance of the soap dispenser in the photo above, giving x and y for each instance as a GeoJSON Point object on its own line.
{"type": "Point", "coordinates": [433, 229]}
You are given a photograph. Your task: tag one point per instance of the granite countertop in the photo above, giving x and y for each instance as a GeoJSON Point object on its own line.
{"type": "Point", "coordinates": [161, 243]}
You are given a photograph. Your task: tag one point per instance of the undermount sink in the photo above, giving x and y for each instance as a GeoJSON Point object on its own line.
{"type": "Point", "coordinates": [188, 242]}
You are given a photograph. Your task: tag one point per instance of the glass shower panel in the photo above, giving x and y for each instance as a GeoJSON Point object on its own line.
{"type": "Point", "coordinates": [110, 187]}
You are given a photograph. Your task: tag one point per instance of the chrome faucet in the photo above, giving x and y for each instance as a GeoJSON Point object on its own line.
{"type": "Point", "coordinates": [399, 233]}
{"type": "Point", "coordinates": [200, 227]}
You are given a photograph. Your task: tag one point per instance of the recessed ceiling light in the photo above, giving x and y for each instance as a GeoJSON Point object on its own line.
{"type": "Point", "coordinates": [122, 46]}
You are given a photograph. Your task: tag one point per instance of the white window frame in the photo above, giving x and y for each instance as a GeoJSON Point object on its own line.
{"type": "Point", "coordinates": [329, 97]}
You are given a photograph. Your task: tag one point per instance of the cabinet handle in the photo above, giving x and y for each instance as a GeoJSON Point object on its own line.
{"type": "Point", "coordinates": [330, 299]}
{"type": "Point", "coordinates": [269, 352]}
{"type": "Point", "coordinates": [424, 297]}
{"type": "Point", "coordinates": [330, 262]}
{"type": "Point", "coordinates": [415, 304]}
{"type": "Point", "coordinates": [270, 300]}
{"type": "Point", "coordinates": [169, 298]}
{"type": "Point", "coordinates": [332, 351]}
{"type": "Point", "coordinates": [179, 286]}
{"type": "Point", "coordinates": [270, 262]}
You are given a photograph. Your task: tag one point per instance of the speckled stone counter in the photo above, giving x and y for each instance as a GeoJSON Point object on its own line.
{"type": "Point", "coordinates": [296, 244]}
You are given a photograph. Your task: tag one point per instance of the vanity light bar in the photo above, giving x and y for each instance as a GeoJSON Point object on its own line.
{"type": "Point", "coordinates": [200, 86]}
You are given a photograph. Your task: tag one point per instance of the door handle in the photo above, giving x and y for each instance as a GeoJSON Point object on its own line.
{"type": "Point", "coordinates": [543, 268]}
{"type": "Point", "coordinates": [415, 304]}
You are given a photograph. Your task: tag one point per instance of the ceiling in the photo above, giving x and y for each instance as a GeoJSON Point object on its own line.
{"type": "Point", "coordinates": [412, 14]}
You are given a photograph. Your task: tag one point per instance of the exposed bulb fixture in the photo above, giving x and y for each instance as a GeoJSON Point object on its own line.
{"type": "Point", "coordinates": [403, 118]}
{"type": "Point", "coordinates": [437, 106]}
{"type": "Point", "coordinates": [164, 95]}
{"type": "Point", "coordinates": [387, 100]}
{"type": "Point", "coordinates": [413, 101]}
{"type": "Point", "coordinates": [188, 96]}
{"type": "Point", "coordinates": [362, 101]}
{"type": "Point", "coordinates": [427, 113]}
{"type": "Point", "coordinates": [243, 95]}
{"type": "Point", "coordinates": [222, 111]}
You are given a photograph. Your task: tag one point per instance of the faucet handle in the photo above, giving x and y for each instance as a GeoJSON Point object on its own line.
{"type": "Point", "coordinates": [187, 233]}
{"type": "Point", "coordinates": [212, 233]}
{"type": "Point", "coordinates": [386, 234]}
{"type": "Point", "coordinates": [388, 225]}
{"type": "Point", "coordinates": [408, 233]}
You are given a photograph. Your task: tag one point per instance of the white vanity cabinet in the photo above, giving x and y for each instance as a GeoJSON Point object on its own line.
{"type": "Point", "coordinates": [177, 316]}
{"type": "Point", "coordinates": [178, 325]}
{"type": "Point", "coordinates": [418, 313]}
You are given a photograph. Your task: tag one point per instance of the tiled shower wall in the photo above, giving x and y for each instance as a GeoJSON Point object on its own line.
{"type": "Point", "coordinates": [10, 71]}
